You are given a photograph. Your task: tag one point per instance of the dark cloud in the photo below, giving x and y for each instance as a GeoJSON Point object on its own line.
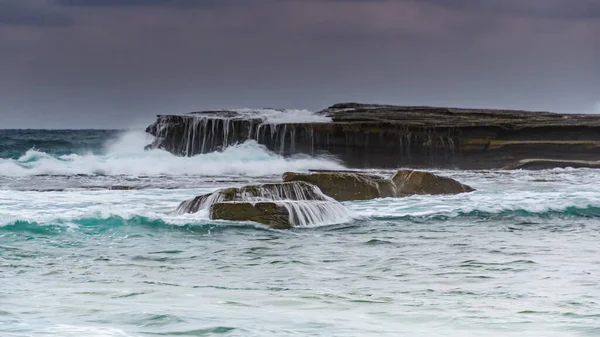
{"type": "Point", "coordinates": [111, 3]}
{"type": "Point", "coordinates": [28, 13]}
{"type": "Point", "coordinates": [554, 9]}
{"type": "Point", "coordinates": [124, 61]}
{"type": "Point", "coordinates": [148, 3]}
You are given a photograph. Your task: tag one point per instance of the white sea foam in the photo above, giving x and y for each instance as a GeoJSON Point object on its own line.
{"type": "Point", "coordinates": [277, 116]}
{"type": "Point", "coordinates": [67, 208]}
{"type": "Point", "coordinates": [538, 193]}
{"type": "Point", "coordinates": [126, 156]}
{"type": "Point", "coordinates": [72, 330]}
{"type": "Point", "coordinates": [496, 192]}
{"type": "Point", "coordinates": [306, 204]}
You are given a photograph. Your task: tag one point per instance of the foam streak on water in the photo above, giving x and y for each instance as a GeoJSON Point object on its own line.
{"type": "Point", "coordinates": [518, 257]}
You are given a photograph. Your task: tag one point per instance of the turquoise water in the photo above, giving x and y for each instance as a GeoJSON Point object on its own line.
{"type": "Point", "coordinates": [518, 257]}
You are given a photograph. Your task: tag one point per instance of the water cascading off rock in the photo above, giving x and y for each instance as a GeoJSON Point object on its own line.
{"type": "Point", "coordinates": [385, 136]}
{"type": "Point", "coordinates": [279, 205]}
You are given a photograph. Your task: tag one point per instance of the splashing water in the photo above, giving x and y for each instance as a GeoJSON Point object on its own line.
{"type": "Point", "coordinates": [125, 156]}
{"type": "Point", "coordinates": [206, 132]}
{"type": "Point", "coordinates": [305, 203]}
{"type": "Point", "coordinates": [275, 116]}
{"type": "Point", "coordinates": [518, 257]}
{"type": "Point", "coordinates": [315, 213]}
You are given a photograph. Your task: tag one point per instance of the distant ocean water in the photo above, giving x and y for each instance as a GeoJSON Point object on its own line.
{"type": "Point", "coordinates": [90, 246]}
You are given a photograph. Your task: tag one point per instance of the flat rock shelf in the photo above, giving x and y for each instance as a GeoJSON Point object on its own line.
{"type": "Point", "coordinates": [387, 136]}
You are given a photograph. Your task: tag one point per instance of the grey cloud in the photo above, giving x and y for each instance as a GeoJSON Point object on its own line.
{"type": "Point", "coordinates": [121, 64]}
{"type": "Point", "coordinates": [26, 13]}
{"type": "Point", "coordinates": [147, 3]}
{"type": "Point", "coordinates": [554, 9]}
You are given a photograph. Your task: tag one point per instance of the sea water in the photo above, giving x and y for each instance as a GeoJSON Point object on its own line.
{"type": "Point", "coordinates": [91, 245]}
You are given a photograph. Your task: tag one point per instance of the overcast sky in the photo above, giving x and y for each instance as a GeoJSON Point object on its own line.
{"type": "Point", "coordinates": [117, 63]}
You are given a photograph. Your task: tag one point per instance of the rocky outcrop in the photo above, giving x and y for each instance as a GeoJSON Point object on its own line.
{"type": "Point", "coordinates": [282, 214]}
{"type": "Point", "coordinates": [409, 182]}
{"type": "Point", "coordinates": [347, 186]}
{"type": "Point", "coordinates": [309, 199]}
{"type": "Point", "coordinates": [343, 186]}
{"type": "Point", "coordinates": [279, 205]}
{"type": "Point", "coordinates": [202, 132]}
{"type": "Point", "coordinates": [266, 213]}
{"type": "Point", "coordinates": [386, 136]}
{"type": "Point", "coordinates": [542, 164]}
{"type": "Point", "coordinates": [297, 190]}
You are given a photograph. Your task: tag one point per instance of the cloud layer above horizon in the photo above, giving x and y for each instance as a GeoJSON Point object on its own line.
{"type": "Point", "coordinates": [117, 63]}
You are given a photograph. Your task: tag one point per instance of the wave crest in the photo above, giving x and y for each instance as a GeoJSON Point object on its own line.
{"type": "Point", "coordinates": [506, 214]}
{"type": "Point", "coordinates": [127, 157]}
{"type": "Point", "coordinates": [95, 225]}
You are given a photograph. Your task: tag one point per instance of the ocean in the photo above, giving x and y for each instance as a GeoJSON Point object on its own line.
{"type": "Point", "coordinates": [90, 245]}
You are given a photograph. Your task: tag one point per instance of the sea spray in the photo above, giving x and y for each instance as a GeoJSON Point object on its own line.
{"type": "Point", "coordinates": [200, 133]}
{"type": "Point", "coordinates": [100, 262]}
{"type": "Point", "coordinates": [125, 156]}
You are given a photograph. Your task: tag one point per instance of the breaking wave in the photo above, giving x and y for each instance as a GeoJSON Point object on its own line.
{"type": "Point", "coordinates": [99, 225]}
{"type": "Point", "coordinates": [125, 156]}
{"type": "Point", "coordinates": [508, 214]}
{"type": "Point", "coordinates": [96, 225]}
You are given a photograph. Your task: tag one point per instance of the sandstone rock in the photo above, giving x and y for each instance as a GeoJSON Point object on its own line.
{"type": "Point", "coordinates": [409, 182]}
{"type": "Point", "coordinates": [282, 214]}
{"type": "Point", "coordinates": [386, 136]}
{"type": "Point", "coordinates": [297, 190]}
{"type": "Point", "coordinates": [343, 186]}
{"type": "Point", "coordinates": [542, 164]}
{"type": "Point", "coordinates": [266, 213]}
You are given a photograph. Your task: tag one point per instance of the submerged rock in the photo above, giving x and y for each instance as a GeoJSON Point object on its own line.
{"type": "Point", "coordinates": [344, 186]}
{"type": "Point", "coordinates": [266, 213]}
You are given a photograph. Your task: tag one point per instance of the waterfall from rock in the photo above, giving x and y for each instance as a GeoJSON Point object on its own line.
{"type": "Point", "coordinates": [306, 204]}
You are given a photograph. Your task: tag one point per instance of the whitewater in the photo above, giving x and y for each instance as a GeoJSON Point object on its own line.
{"type": "Point", "coordinates": [126, 156]}
{"type": "Point", "coordinates": [91, 245]}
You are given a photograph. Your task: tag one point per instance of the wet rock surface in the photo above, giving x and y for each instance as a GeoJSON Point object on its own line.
{"type": "Point", "coordinates": [542, 164]}
{"type": "Point", "coordinates": [345, 186]}
{"type": "Point", "coordinates": [307, 199]}
{"type": "Point", "coordinates": [278, 205]}
{"type": "Point", "coordinates": [409, 182]}
{"type": "Point", "coordinates": [386, 136]}
{"type": "Point", "coordinates": [297, 190]}
{"type": "Point", "coordinates": [266, 213]}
